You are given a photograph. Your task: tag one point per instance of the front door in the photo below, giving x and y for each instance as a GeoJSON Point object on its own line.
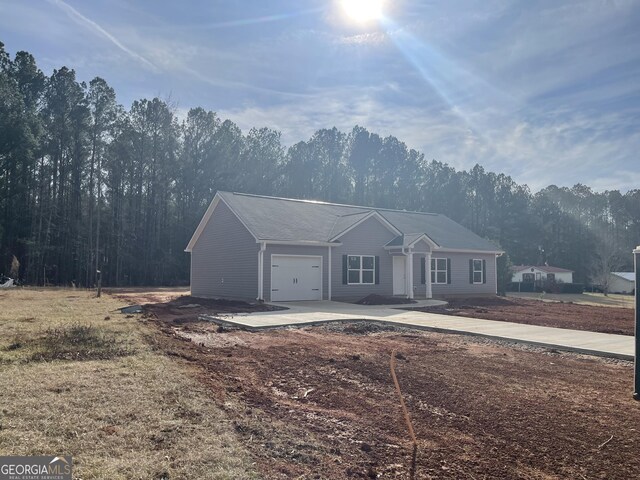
{"type": "Point", "coordinates": [399, 275]}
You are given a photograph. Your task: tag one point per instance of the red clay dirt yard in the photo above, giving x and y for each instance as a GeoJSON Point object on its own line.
{"type": "Point", "coordinates": [547, 314]}
{"type": "Point", "coordinates": [319, 402]}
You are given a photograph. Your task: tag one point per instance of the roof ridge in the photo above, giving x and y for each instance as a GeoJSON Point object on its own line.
{"type": "Point", "coordinates": [411, 211]}
{"type": "Point", "coordinates": [322, 202]}
{"type": "Point", "coordinates": [542, 267]}
{"type": "Point", "coordinates": [356, 213]}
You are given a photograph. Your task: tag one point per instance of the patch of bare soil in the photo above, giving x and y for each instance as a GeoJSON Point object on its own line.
{"type": "Point", "coordinates": [188, 309]}
{"type": "Point", "coordinates": [317, 403]}
{"type": "Point", "coordinates": [548, 314]}
{"type": "Point", "coordinates": [141, 295]}
{"type": "Point", "coordinates": [374, 299]}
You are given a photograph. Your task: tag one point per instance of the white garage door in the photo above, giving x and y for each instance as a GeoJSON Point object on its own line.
{"type": "Point", "coordinates": [295, 278]}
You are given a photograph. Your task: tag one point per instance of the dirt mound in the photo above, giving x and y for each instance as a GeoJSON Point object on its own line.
{"type": "Point", "coordinates": [374, 299]}
{"type": "Point", "coordinates": [362, 328]}
{"type": "Point", "coordinates": [223, 304]}
{"type": "Point", "coordinates": [187, 309]}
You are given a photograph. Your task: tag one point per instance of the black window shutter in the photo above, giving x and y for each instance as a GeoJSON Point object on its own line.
{"type": "Point", "coordinates": [448, 270]}
{"type": "Point", "coordinates": [484, 271]}
{"type": "Point", "coordinates": [471, 270]}
{"type": "Point", "coordinates": [423, 271]}
{"type": "Point", "coordinates": [377, 267]}
{"type": "Point", "coordinates": [344, 269]}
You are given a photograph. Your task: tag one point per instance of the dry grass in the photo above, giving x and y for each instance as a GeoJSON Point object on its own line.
{"type": "Point", "coordinates": [124, 411]}
{"type": "Point", "coordinates": [76, 342]}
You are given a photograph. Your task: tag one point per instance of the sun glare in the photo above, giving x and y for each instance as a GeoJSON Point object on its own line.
{"type": "Point", "coordinates": [363, 10]}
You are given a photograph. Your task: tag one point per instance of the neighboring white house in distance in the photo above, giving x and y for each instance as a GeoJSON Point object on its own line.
{"type": "Point", "coordinates": [622, 282]}
{"type": "Point", "coordinates": [540, 273]}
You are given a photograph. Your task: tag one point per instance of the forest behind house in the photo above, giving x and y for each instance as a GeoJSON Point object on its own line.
{"type": "Point", "coordinates": [88, 185]}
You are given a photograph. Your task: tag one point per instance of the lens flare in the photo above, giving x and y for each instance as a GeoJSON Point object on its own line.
{"type": "Point", "coordinates": [363, 10]}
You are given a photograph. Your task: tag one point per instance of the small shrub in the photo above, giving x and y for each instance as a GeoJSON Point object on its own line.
{"type": "Point", "coordinates": [572, 288]}
{"type": "Point", "coordinates": [556, 287]}
{"type": "Point", "coordinates": [79, 342]}
{"type": "Point", "coordinates": [551, 286]}
{"type": "Point", "coordinates": [521, 287]}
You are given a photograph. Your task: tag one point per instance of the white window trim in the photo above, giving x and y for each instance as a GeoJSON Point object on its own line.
{"type": "Point", "coordinates": [435, 271]}
{"type": "Point", "coordinates": [477, 271]}
{"type": "Point", "coordinates": [362, 269]}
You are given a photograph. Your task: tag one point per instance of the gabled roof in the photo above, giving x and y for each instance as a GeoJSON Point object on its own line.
{"type": "Point", "coordinates": [361, 218]}
{"type": "Point", "coordinates": [408, 239]}
{"type": "Point", "coordinates": [630, 276]}
{"type": "Point", "coordinates": [345, 222]}
{"type": "Point", "coordinates": [544, 268]}
{"type": "Point", "coordinates": [286, 219]}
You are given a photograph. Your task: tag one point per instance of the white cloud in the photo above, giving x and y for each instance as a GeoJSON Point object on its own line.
{"type": "Point", "coordinates": [94, 27]}
{"type": "Point", "coordinates": [547, 93]}
{"type": "Point", "coordinates": [562, 152]}
{"type": "Point", "coordinates": [370, 38]}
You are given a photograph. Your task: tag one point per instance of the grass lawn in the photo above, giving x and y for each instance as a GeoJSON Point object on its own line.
{"type": "Point", "coordinates": [80, 379]}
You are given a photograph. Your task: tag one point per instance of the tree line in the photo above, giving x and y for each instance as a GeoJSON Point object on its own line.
{"type": "Point", "coordinates": [88, 185]}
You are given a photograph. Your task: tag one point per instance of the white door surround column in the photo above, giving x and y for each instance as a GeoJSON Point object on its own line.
{"type": "Point", "coordinates": [427, 274]}
{"type": "Point", "coordinates": [410, 274]}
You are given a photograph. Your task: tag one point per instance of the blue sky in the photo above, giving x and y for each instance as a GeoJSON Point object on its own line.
{"type": "Point", "coordinates": [545, 91]}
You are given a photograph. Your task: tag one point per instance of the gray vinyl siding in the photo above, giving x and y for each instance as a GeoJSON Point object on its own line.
{"type": "Point", "coordinates": [294, 250]}
{"type": "Point", "coordinates": [368, 238]}
{"type": "Point", "coordinates": [459, 285]}
{"type": "Point", "coordinates": [460, 275]}
{"type": "Point", "coordinates": [224, 260]}
{"type": "Point", "coordinates": [421, 247]}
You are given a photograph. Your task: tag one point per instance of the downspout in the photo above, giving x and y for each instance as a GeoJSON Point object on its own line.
{"type": "Point", "coordinates": [263, 246]}
{"type": "Point", "coordinates": [329, 274]}
{"type": "Point", "coordinates": [191, 273]}
{"type": "Point", "coordinates": [427, 274]}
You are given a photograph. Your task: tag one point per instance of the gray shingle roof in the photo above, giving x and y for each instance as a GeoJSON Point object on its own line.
{"type": "Point", "coordinates": [284, 219]}
{"type": "Point", "coordinates": [544, 268]}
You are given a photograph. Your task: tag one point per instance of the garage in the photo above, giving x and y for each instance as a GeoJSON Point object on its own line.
{"type": "Point", "coordinates": [296, 277]}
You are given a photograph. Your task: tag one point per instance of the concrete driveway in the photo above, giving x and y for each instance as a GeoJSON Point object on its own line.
{"type": "Point", "coordinates": [314, 313]}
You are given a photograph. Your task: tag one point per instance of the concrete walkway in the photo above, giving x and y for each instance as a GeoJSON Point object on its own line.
{"type": "Point", "coordinates": [313, 313]}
